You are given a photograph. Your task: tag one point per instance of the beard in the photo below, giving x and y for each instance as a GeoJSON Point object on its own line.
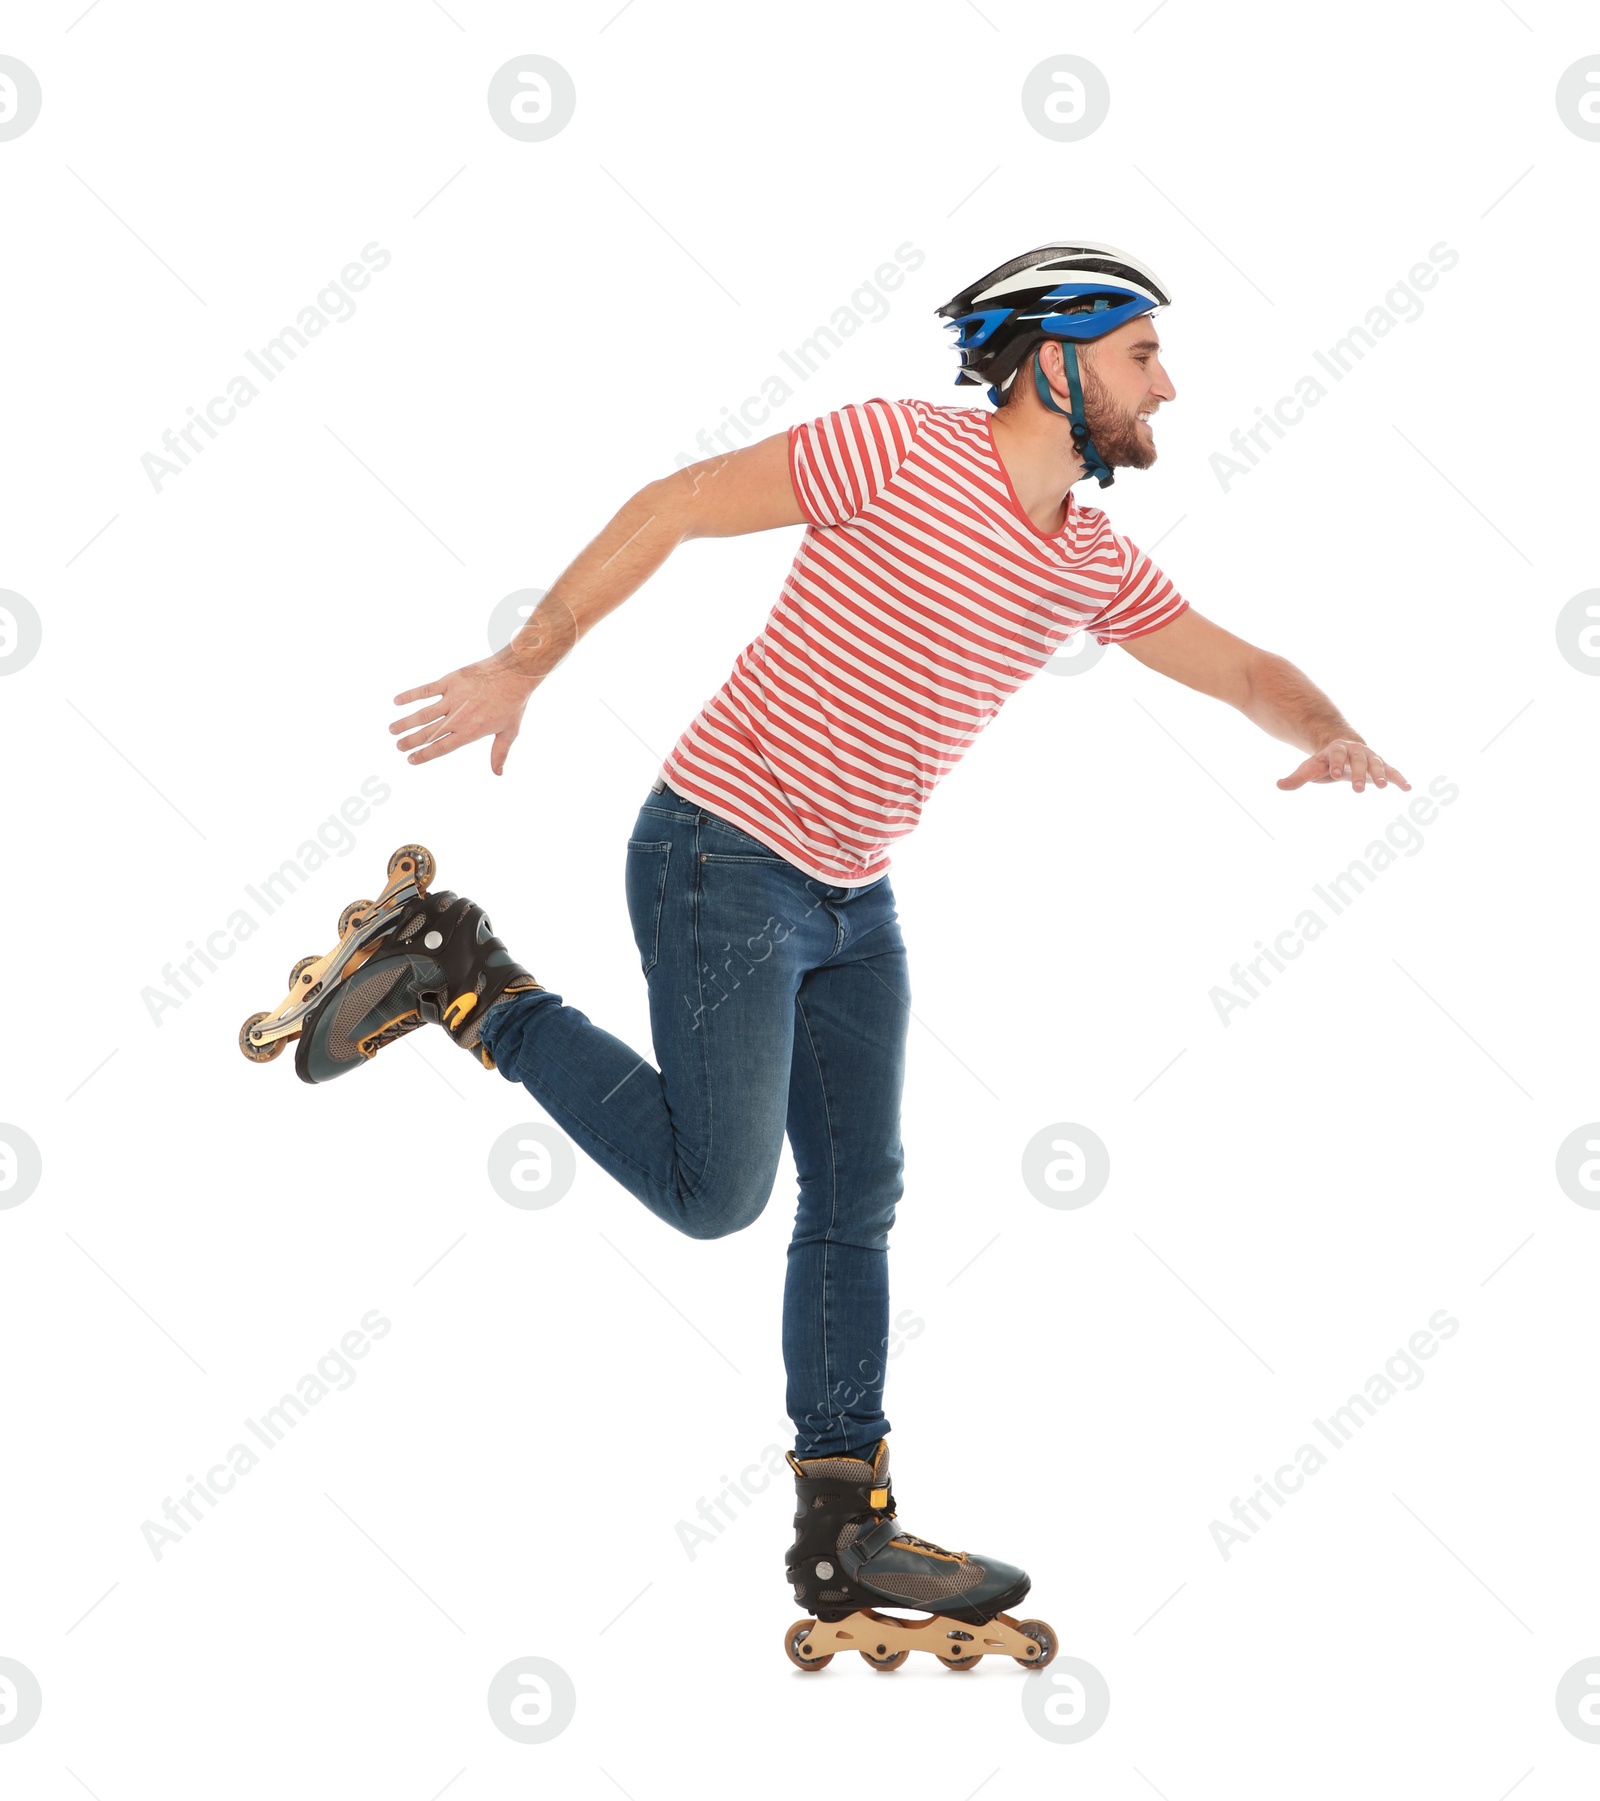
{"type": "Point", "coordinates": [1115, 433]}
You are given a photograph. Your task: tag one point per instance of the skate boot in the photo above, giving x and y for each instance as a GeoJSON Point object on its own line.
{"type": "Point", "coordinates": [408, 959]}
{"type": "Point", "coordinates": [851, 1556]}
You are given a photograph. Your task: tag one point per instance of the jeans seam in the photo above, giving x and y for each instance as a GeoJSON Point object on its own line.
{"type": "Point", "coordinates": [706, 1084]}
{"type": "Point", "coordinates": [833, 1211]}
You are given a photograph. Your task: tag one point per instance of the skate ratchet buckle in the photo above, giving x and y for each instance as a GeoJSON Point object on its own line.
{"type": "Point", "coordinates": [362, 925]}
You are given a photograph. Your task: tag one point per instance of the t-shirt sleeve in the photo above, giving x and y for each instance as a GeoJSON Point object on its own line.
{"type": "Point", "coordinates": [843, 461]}
{"type": "Point", "coordinates": [1145, 599]}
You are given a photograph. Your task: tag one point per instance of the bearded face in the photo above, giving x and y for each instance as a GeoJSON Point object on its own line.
{"type": "Point", "coordinates": [1123, 439]}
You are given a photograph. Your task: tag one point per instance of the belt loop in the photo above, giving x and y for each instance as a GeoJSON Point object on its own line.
{"type": "Point", "coordinates": [659, 783]}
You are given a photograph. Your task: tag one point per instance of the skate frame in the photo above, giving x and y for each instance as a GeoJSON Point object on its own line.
{"type": "Point", "coordinates": [951, 1641]}
{"type": "Point", "coordinates": [285, 1020]}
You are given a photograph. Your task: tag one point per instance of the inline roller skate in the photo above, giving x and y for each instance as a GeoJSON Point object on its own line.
{"type": "Point", "coordinates": [407, 959]}
{"type": "Point", "coordinates": [851, 1556]}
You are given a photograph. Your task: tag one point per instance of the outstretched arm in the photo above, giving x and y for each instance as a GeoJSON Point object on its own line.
{"type": "Point", "coordinates": [1271, 692]}
{"type": "Point", "coordinates": [748, 490]}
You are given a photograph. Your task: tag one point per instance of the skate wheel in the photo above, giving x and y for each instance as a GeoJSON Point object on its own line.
{"type": "Point", "coordinates": [794, 1644]}
{"type": "Point", "coordinates": [422, 857]}
{"type": "Point", "coordinates": [258, 1053]}
{"type": "Point", "coordinates": [299, 969]}
{"type": "Point", "coordinates": [961, 1663]}
{"type": "Point", "coordinates": [349, 913]}
{"type": "Point", "coordinates": [1043, 1637]}
{"type": "Point", "coordinates": [891, 1661]}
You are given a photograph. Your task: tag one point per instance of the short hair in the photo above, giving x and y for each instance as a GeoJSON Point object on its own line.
{"type": "Point", "coordinates": [1020, 377]}
{"type": "Point", "coordinates": [1015, 383]}
{"type": "Point", "coordinates": [1009, 393]}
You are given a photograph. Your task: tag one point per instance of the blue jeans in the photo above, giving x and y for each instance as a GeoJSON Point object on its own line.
{"type": "Point", "coordinates": [778, 1004]}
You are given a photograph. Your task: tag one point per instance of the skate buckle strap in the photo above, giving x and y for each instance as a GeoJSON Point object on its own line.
{"type": "Point", "coordinates": [878, 1499]}
{"type": "Point", "coordinates": [869, 1544]}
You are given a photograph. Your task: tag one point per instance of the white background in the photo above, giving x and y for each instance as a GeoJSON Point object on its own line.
{"type": "Point", "coordinates": [1290, 1199]}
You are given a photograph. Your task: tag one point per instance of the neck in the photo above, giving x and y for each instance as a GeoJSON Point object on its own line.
{"type": "Point", "coordinates": [1040, 458]}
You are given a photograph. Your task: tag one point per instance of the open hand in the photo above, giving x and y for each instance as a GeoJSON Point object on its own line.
{"type": "Point", "coordinates": [471, 703]}
{"type": "Point", "coordinates": [1345, 758]}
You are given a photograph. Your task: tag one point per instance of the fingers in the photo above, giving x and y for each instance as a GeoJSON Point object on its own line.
{"type": "Point", "coordinates": [426, 693]}
{"type": "Point", "coordinates": [1361, 767]}
{"type": "Point", "coordinates": [444, 729]}
{"type": "Point", "coordinates": [426, 736]}
{"type": "Point", "coordinates": [458, 709]}
{"type": "Point", "coordinates": [424, 716]}
{"type": "Point", "coordinates": [1345, 759]}
{"type": "Point", "coordinates": [440, 747]}
{"type": "Point", "coordinates": [1364, 764]}
{"type": "Point", "coordinates": [1324, 765]}
{"type": "Point", "coordinates": [500, 750]}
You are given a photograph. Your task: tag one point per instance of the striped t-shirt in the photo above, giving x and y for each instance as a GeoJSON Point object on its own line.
{"type": "Point", "coordinates": [921, 598]}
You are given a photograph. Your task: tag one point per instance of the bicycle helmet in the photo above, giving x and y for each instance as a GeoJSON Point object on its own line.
{"type": "Point", "coordinates": [1073, 292]}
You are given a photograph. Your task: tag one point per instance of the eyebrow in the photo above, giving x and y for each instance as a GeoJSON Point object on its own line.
{"type": "Point", "coordinates": [1146, 344]}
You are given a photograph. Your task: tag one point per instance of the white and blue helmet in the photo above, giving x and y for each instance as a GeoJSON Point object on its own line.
{"type": "Point", "coordinates": [1074, 292]}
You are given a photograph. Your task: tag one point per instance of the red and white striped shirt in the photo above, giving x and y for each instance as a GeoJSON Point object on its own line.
{"type": "Point", "coordinates": [921, 598]}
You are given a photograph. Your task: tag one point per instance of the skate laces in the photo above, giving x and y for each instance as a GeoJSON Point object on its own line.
{"type": "Point", "coordinates": [913, 1543]}
{"type": "Point", "coordinates": [396, 1028]}
{"type": "Point", "coordinates": [908, 1540]}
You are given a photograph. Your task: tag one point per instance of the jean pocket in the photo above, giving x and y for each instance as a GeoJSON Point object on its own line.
{"type": "Point", "coordinates": [724, 837]}
{"type": "Point", "coordinates": [646, 886]}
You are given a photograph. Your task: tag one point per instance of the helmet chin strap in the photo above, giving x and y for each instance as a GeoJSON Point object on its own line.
{"type": "Point", "coordinates": [1093, 463]}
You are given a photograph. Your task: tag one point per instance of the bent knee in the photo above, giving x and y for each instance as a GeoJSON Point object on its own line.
{"type": "Point", "coordinates": [719, 1212]}
{"type": "Point", "coordinates": [722, 1223]}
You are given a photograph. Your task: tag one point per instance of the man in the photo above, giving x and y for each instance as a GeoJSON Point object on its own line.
{"type": "Point", "coordinates": [945, 559]}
